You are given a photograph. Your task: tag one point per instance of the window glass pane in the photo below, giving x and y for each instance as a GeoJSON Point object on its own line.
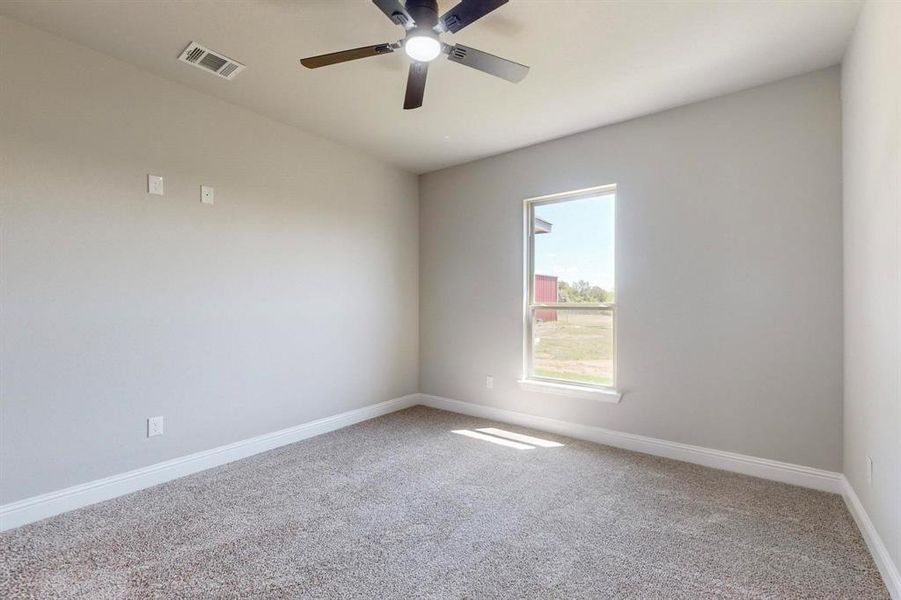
{"type": "Point", "coordinates": [573, 345]}
{"type": "Point", "coordinates": [574, 251]}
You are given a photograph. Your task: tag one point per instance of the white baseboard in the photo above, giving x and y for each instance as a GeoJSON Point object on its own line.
{"type": "Point", "coordinates": [40, 507]}
{"type": "Point", "coordinates": [808, 477]}
{"type": "Point", "coordinates": [881, 557]}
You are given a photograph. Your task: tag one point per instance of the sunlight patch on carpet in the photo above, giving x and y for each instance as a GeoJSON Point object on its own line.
{"type": "Point", "coordinates": [494, 440]}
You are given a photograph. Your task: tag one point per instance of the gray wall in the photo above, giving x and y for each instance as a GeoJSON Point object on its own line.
{"type": "Point", "coordinates": [293, 298]}
{"type": "Point", "coordinates": [728, 271]}
{"type": "Point", "coordinates": [871, 100]}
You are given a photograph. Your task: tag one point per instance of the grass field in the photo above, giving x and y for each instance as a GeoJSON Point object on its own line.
{"type": "Point", "coordinates": [578, 346]}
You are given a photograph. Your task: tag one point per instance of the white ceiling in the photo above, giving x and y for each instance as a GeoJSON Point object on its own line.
{"type": "Point", "coordinates": [593, 62]}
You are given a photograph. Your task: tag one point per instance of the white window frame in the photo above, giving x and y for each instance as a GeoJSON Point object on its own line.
{"type": "Point", "coordinates": [529, 381]}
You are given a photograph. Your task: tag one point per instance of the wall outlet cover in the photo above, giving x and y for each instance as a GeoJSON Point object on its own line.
{"type": "Point", "coordinates": [489, 382]}
{"type": "Point", "coordinates": [154, 426]}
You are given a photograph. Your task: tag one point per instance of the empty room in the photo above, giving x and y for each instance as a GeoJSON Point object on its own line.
{"type": "Point", "coordinates": [483, 299]}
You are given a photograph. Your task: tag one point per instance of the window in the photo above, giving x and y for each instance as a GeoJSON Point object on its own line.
{"type": "Point", "coordinates": [570, 314]}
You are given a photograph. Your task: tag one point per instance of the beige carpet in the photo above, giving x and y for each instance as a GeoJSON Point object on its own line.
{"type": "Point", "coordinates": [402, 507]}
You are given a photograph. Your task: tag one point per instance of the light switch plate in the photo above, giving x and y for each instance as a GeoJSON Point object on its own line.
{"type": "Point", "coordinates": [155, 185]}
{"type": "Point", "coordinates": [206, 194]}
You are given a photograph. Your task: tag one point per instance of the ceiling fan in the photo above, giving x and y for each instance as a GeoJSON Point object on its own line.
{"type": "Point", "coordinates": [422, 43]}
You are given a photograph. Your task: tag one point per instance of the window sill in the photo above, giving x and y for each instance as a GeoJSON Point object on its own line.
{"type": "Point", "coordinates": [573, 391]}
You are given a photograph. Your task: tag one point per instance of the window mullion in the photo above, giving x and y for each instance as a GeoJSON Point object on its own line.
{"type": "Point", "coordinates": [572, 306]}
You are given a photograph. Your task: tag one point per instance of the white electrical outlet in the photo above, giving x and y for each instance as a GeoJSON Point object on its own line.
{"type": "Point", "coordinates": [154, 426]}
{"type": "Point", "coordinates": [155, 185]}
{"type": "Point", "coordinates": [206, 194]}
{"type": "Point", "coordinates": [489, 382]}
{"type": "Point", "coordinates": [869, 470]}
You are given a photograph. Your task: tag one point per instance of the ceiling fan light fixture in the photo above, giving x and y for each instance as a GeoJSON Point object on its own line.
{"type": "Point", "coordinates": [420, 21]}
{"type": "Point", "coordinates": [422, 47]}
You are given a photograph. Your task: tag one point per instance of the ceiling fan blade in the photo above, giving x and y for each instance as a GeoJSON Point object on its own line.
{"type": "Point", "coordinates": [324, 60]}
{"type": "Point", "coordinates": [394, 10]}
{"type": "Point", "coordinates": [488, 63]}
{"type": "Point", "coordinates": [468, 11]}
{"type": "Point", "coordinates": [415, 85]}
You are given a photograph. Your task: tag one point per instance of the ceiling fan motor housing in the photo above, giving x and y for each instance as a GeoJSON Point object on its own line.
{"type": "Point", "coordinates": [424, 13]}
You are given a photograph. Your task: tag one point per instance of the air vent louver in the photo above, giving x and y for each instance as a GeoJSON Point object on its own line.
{"type": "Point", "coordinates": [211, 62]}
{"type": "Point", "coordinates": [227, 70]}
{"type": "Point", "coordinates": [194, 55]}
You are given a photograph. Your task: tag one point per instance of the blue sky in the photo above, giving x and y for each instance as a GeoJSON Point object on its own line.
{"type": "Point", "coordinates": [581, 243]}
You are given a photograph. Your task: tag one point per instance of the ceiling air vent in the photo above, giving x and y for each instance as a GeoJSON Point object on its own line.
{"type": "Point", "coordinates": [213, 62]}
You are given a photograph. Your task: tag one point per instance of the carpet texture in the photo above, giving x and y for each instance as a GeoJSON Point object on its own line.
{"type": "Point", "coordinates": [401, 507]}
